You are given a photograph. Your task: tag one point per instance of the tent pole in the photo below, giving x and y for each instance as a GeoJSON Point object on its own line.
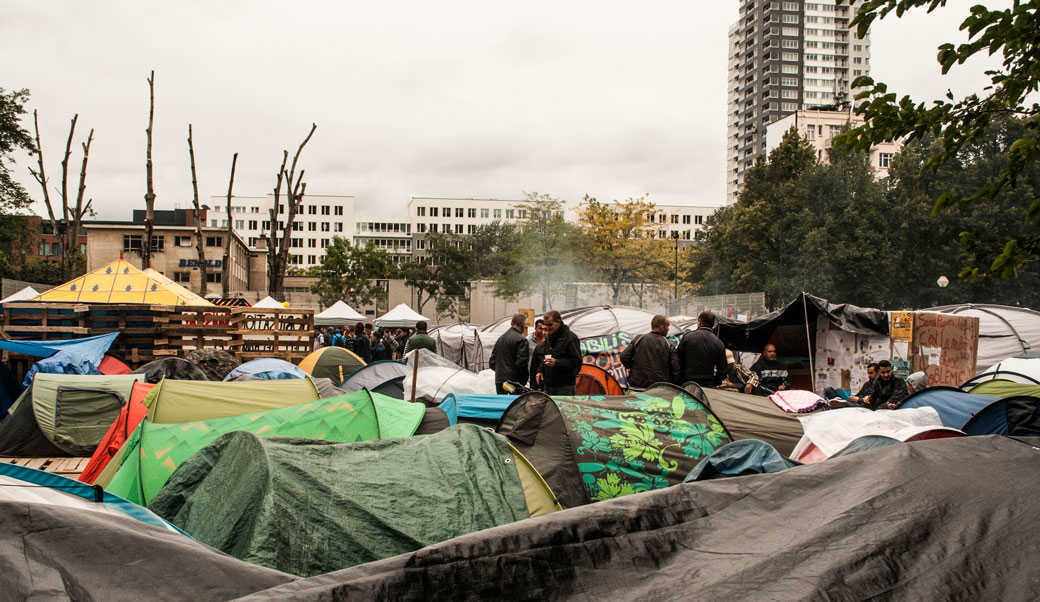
{"type": "Point", "coordinates": [808, 342]}
{"type": "Point", "coordinates": [415, 373]}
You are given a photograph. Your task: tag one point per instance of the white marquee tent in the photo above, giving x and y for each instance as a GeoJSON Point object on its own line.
{"type": "Point", "coordinates": [269, 303]}
{"type": "Point", "coordinates": [339, 314]}
{"type": "Point", "coordinates": [401, 316]}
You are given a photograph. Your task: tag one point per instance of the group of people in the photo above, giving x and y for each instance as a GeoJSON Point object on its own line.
{"type": "Point", "coordinates": [374, 344]}
{"type": "Point", "coordinates": [547, 360]}
{"type": "Point", "coordinates": [883, 389]}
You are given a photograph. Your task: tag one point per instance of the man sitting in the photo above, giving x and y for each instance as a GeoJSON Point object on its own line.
{"type": "Point", "coordinates": [888, 391]}
{"type": "Point", "coordinates": [772, 373]}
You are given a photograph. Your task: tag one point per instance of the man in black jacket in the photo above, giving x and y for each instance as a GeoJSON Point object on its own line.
{"type": "Point", "coordinates": [702, 356]}
{"type": "Point", "coordinates": [562, 359]}
{"type": "Point", "coordinates": [650, 358]}
{"type": "Point", "coordinates": [510, 355]}
{"type": "Point", "coordinates": [888, 390]}
{"type": "Point", "coordinates": [772, 373]}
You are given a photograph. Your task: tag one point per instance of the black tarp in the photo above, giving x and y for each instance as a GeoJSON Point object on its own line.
{"type": "Point", "coordinates": [931, 520]}
{"type": "Point", "coordinates": [753, 335]}
{"type": "Point", "coordinates": [54, 553]}
{"type": "Point", "coordinates": [170, 367]}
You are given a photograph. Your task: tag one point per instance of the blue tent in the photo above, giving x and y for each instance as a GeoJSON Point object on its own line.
{"type": "Point", "coordinates": [67, 356]}
{"type": "Point", "coordinates": [267, 368]}
{"type": "Point", "coordinates": [475, 407]}
{"type": "Point", "coordinates": [972, 413]}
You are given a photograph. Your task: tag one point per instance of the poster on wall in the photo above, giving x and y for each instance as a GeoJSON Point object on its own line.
{"type": "Point", "coordinates": [605, 351]}
{"type": "Point", "coordinates": [901, 325]}
{"type": "Point", "coordinates": [841, 357]}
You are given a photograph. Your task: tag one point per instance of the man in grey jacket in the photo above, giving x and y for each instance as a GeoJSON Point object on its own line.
{"type": "Point", "coordinates": [650, 358]}
{"type": "Point", "coordinates": [509, 356]}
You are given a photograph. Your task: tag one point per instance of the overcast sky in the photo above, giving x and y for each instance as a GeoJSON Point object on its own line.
{"type": "Point", "coordinates": [615, 99]}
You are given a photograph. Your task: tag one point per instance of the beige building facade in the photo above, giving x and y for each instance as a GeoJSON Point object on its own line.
{"type": "Point", "coordinates": [820, 127]}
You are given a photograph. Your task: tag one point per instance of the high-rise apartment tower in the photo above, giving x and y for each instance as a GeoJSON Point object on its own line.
{"type": "Point", "coordinates": [785, 56]}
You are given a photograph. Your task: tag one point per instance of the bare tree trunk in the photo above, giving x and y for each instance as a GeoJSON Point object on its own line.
{"type": "Point", "coordinates": [225, 278]}
{"type": "Point", "coordinates": [295, 190]}
{"type": "Point", "coordinates": [272, 239]}
{"type": "Point", "coordinates": [149, 195]}
{"type": "Point", "coordinates": [41, 176]}
{"type": "Point", "coordinates": [64, 236]}
{"type": "Point", "coordinates": [199, 249]}
{"type": "Point", "coordinates": [72, 230]}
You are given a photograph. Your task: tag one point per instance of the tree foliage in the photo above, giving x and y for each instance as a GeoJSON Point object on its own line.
{"type": "Point", "coordinates": [619, 246]}
{"type": "Point", "coordinates": [544, 254]}
{"type": "Point", "coordinates": [959, 123]}
{"type": "Point", "coordinates": [832, 230]}
{"type": "Point", "coordinates": [13, 137]}
{"type": "Point", "coordinates": [349, 272]}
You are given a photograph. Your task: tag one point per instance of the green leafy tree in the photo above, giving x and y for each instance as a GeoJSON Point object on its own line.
{"type": "Point", "coordinates": [350, 272]}
{"type": "Point", "coordinates": [619, 244]}
{"type": "Point", "coordinates": [544, 256]}
{"type": "Point", "coordinates": [12, 138]}
{"type": "Point", "coordinates": [958, 123]}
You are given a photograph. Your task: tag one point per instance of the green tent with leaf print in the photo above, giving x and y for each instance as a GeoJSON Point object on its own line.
{"type": "Point", "coordinates": [600, 447]}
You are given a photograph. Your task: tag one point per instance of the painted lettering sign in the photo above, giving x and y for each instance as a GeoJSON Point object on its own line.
{"type": "Point", "coordinates": [605, 352]}
{"type": "Point", "coordinates": [194, 263]}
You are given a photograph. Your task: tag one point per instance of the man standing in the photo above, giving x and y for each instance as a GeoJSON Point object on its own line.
{"type": "Point", "coordinates": [510, 356]}
{"type": "Point", "coordinates": [534, 362]}
{"type": "Point", "coordinates": [562, 359]}
{"type": "Point", "coordinates": [420, 340]}
{"type": "Point", "coordinates": [702, 356]}
{"type": "Point", "coordinates": [772, 373]}
{"type": "Point", "coordinates": [650, 358]}
{"type": "Point", "coordinates": [888, 391]}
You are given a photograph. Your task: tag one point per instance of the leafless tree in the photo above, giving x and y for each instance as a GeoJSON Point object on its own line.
{"type": "Point", "coordinates": [278, 246]}
{"type": "Point", "coordinates": [199, 248]}
{"type": "Point", "coordinates": [149, 195]}
{"type": "Point", "coordinates": [225, 278]}
{"type": "Point", "coordinates": [72, 213]}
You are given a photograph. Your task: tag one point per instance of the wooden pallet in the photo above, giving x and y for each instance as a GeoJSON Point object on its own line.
{"type": "Point", "coordinates": [66, 467]}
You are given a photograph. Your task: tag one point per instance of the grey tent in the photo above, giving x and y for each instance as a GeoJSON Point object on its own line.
{"type": "Point", "coordinates": [755, 417]}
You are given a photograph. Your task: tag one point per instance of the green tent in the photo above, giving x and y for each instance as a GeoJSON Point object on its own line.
{"type": "Point", "coordinates": [64, 414]}
{"type": "Point", "coordinates": [154, 451]}
{"type": "Point", "coordinates": [309, 507]}
{"type": "Point", "coordinates": [1005, 388]}
{"type": "Point", "coordinates": [186, 400]}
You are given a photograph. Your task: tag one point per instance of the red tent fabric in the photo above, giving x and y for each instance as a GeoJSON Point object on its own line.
{"type": "Point", "coordinates": [132, 415]}
{"type": "Point", "coordinates": [593, 380]}
{"type": "Point", "coordinates": [110, 365]}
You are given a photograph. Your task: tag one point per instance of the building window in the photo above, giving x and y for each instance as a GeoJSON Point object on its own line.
{"type": "Point", "coordinates": [790, 31]}
{"type": "Point", "coordinates": [312, 243]}
{"type": "Point", "coordinates": [470, 229]}
{"type": "Point", "coordinates": [788, 68]}
{"type": "Point", "coordinates": [281, 209]}
{"type": "Point", "coordinates": [790, 6]}
{"type": "Point", "coordinates": [312, 210]}
{"type": "Point", "coordinates": [790, 44]}
{"type": "Point", "coordinates": [420, 244]}
{"type": "Point", "coordinates": [214, 241]}
{"type": "Point", "coordinates": [447, 228]}
{"type": "Point", "coordinates": [485, 213]}
{"type": "Point", "coordinates": [675, 218]}
{"type": "Point", "coordinates": [311, 259]}
{"type": "Point", "coordinates": [446, 212]}
{"type": "Point", "coordinates": [252, 224]}
{"type": "Point", "coordinates": [324, 243]}
{"type": "Point", "coordinates": [790, 56]}
{"type": "Point", "coordinates": [884, 160]}
{"type": "Point", "coordinates": [420, 211]}
{"type": "Point", "coordinates": [699, 220]}
{"type": "Point", "coordinates": [337, 210]}
{"type": "Point", "coordinates": [433, 212]}
{"type": "Point", "coordinates": [789, 18]}
{"type": "Point", "coordinates": [213, 223]}
{"type": "Point", "coordinates": [498, 214]}
{"type": "Point", "coordinates": [458, 212]}
{"type": "Point", "coordinates": [339, 226]}
{"type": "Point", "coordinates": [458, 228]}
{"type": "Point", "coordinates": [433, 228]}
{"type": "Point", "coordinates": [510, 214]}
{"type": "Point", "coordinates": [471, 213]}
{"type": "Point", "coordinates": [686, 219]}
{"type": "Point", "coordinates": [182, 277]}
{"type": "Point", "coordinates": [325, 226]}
{"type": "Point", "coordinates": [240, 224]}
{"type": "Point", "coordinates": [214, 277]}
{"type": "Point", "coordinates": [312, 226]}
{"type": "Point", "coordinates": [420, 227]}
{"type": "Point", "coordinates": [182, 241]}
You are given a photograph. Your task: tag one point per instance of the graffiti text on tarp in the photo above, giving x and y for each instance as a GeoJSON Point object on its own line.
{"type": "Point", "coordinates": [605, 352]}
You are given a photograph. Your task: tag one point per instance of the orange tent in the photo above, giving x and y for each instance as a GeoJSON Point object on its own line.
{"type": "Point", "coordinates": [131, 415]}
{"type": "Point", "coordinates": [111, 365]}
{"type": "Point", "coordinates": [593, 380]}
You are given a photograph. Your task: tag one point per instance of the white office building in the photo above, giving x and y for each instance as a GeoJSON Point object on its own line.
{"type": "Point", "coordinates": [457, 215]}
{"type": "Point", "coordinates": [391, 234]}
{"type": "Point", "coordinates": [681, 221]}
{"type": "Point", "coordinates": [321, 217]}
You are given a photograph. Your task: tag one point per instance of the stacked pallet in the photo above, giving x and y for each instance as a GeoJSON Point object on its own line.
{"type": "Point", "coordinates": [149, 332]}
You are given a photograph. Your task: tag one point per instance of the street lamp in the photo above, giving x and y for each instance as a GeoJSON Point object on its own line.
{"type": "Point", "coordinates": [675, 237]}
{"type": "Point", "coordinates": [943, 281]}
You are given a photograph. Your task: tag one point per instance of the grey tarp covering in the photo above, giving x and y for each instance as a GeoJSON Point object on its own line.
{"type": "Point", "coordinates": [50, 553]}
{"type": "Point", "coordinates": [755, 417]}
{"type": "Point", "coordinates": [753, 335]}
{"type": "Point", "coordinates": [932, 520]}
{"type": "Point", "coordinates": [307, 507]}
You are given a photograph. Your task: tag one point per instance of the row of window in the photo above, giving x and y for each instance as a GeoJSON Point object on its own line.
{"type": "Point", "coordinates": [384, 227]}
{"type": "Point", "coordinates": [212, 276]}
{"type": "Point", "coordinates": [471, 212]}
{"type": "Point", "coordinates": [53, 249]}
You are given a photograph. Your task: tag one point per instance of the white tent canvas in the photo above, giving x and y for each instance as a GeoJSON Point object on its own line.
{"type": "Point", "coordinates": [23, 295]}
{"type": "Point", "coordinates": [401, 316]}
{"type": "Point", "coordinates": [339, 314]}
{"type": "Point", "coordinates": [269, 303]}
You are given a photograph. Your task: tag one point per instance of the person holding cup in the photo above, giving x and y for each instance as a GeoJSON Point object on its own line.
{"type": "Point", "coordinates": [562, 356]}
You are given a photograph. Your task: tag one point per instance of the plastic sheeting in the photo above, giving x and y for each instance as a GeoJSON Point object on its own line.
{"type": "Point", "coordinates": [65, 356]}
{"type": "Point", "coordinates": [438, 377]}
{"type": "Point", "coordinates": [827, 433]}
{"type": "Point", "coordinates": [933, 520]}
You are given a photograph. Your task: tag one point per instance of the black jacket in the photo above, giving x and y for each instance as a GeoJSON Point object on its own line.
{"type": "Point", "coordinates": [650, 359]}
{"type": "Point", "coordinates": [362, 347]}
{"type": "Point", "coordinates": [563, 345]}
{"type": "Point", "coordinates": [891, 391]}
{"type": "Point", "coordinates": [771, 374]}
{"type": "Point", "coordinates": [702, 358]}
{"type": "Point", "coordinates": [509, 357]}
